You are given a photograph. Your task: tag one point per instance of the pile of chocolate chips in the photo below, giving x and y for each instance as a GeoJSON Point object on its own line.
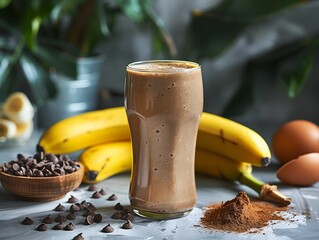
{"type": "Point", "coordinates": [40, 165]}
{"type": "Point", "coordinates": [82, 213]}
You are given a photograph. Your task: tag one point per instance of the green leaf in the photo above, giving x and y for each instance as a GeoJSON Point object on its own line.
{"type": "Point", "coordinates": [61, 8]}
{"type": "Point", "coordinates": [298, 73]}
{"type": "Point", "coordinates": [39, 81]}
{"type": "Point", "coordinates": [4, 3]}
{"type": "Point", "coordinates": [102, 19]}
{"type": "Point", "coordinates": [62, 62]}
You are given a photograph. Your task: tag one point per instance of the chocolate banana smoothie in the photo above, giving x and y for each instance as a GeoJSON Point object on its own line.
{"type": "Point", "coordinates": [164, 102]}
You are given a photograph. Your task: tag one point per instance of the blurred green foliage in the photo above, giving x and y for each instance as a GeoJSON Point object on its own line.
{"type": "Point", "coordinates": [213, 31]}
{"type": "Point", "coordinates": [38, 36]}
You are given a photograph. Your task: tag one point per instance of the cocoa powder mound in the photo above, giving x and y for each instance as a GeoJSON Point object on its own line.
{"type": "Point", "coordinates": [240, 214]}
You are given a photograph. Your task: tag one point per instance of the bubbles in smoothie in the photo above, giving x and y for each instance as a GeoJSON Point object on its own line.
{"type": "Point", "coordinates": [171, 155]}
{"type": "Point", "coordinates": [157, 131]}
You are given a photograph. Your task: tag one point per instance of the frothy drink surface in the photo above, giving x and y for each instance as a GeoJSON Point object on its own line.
{"type": "Point", "coordinates": [164, 103]}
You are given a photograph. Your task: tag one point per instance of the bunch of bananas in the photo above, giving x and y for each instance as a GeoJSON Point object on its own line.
{"type": "Point", "coordinates": [225, 149]}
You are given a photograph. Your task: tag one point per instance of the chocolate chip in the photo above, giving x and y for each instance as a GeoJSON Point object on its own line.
{"type": "Point", "coordinates": [107, 229]}
{"type": "Point", "coordinates": [127, 225]}
{"type": "Point", "coordinates": [88, 220]}
{"type": "Point", "coordinates": [118, 207]}
{"type": "Point", "coordinates": [127, 216]}
{"type": "Point", "coordinates": [97, 218]}
{"type": "Point", "coordinates": [84, 204]}
{"type": "Point", "coordinates": [117, 215]}
{"type": "Point", "coordinates": [78, 237]}
{"type": "Point", "coordinates": [75, 208]}
{"type": "Point", "coordinates": [88, 213]}
{"type": "Point", "coordinates": [72, 199]}
{"type": "Point", "coordinates": [48, 219]}
{"type": "Point", "coordinates": [102, 192]}
{"type": "Point", "coordinates": [92, 188]}
{"type": "Point", "coordinates": [40, 165]}
{"type": "Point", "coordinates": [58, 226]}
{"type": "Point", "coordinates": [69, 227]}
{"type": "Point", "coordinates": [60, 218]}
{"type": "Point", "coordinates": [113, 197]}
{"type": "Point", "coordinates": [42, 227]}
{"type": "Point", "coordinates": [27, 221]}
{"type": "Point", "coordinates": [96, 195]}
{"type": "Point", "coordinates": [90, 207]}
{"type": "Point", "coordinates": [59, 208]}
{"type": "Point", "coordinates": [71, 216]}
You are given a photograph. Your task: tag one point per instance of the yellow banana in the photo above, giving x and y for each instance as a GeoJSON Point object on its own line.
{"type": "Point", "coordinates": [105, 160]}
{"type": "Point", "coordinates": [233, 140]}
{"type": "Point", "coordinates": [215, 134]}
{"type": "Point", "coordinates": [85, 130]}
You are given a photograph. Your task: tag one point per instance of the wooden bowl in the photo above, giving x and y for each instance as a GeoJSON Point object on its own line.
{"type": "Point", "coordinates": [42, 189]}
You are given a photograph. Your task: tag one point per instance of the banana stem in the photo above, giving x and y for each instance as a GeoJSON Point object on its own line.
{"type": "Point", "coordinates": [266, 192]}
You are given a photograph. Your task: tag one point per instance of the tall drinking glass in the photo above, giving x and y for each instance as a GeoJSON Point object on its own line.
{"type": "Point", "coordinates": [164, 102]}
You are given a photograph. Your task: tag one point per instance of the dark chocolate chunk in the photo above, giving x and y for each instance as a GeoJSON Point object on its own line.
{"type": "Point", "coordinates": [97, 218]}
{"type": "Point", "coordinates": [107, 229]}
{"type": "Point", "coordinates": [113, 197]}
{"type": "Point", "coordinates": [27, 221]}
{"type": "Point", "coordinates": [127, 225]}
{"type": "Point", "coordinates": [78, 237]}
{"type": "Point", "coordinates": [59, 208]}
{"type": "Point", "coordinates": [71, 216]}
{"type": "Point", "coordinates": [72, 199]}
{"type": "Point", "coordinates": [88, 220]}
{"type": "Point", "coordinates": [48, 219]}
{"type": "Point", "coordinates": [58, 226]}
{"type": "Point", "coordinates": [69, 227]}
{"type": "Point", "coordinates": [90, 206]}
{"type": "Point", "coordinates": [42, 227]}
{"type": "Point", "coordinates": [127, 216]}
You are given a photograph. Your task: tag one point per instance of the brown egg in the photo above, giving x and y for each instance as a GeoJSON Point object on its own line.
{"type": "Point", "coordinates": [302, 171]}
{"type": "Point", "coordinates": [294, 139]}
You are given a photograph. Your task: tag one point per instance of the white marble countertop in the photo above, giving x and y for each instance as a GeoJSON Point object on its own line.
{"type": "Point", "coordinates": [297, 225]}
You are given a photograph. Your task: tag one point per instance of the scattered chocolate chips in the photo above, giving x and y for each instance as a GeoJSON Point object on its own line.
{"type": "Point", "coordinates": [118, 207]}
{"type": "Point", "coordinates": [58, 226]}
{"type": "Point", "coordinates": [48, 219]}
{"type": "Point", "coordinates": [69, 227]}
{"type": "Point", "coordinates": [107, 229]}
{"type": "Point", "coordinates": [71, 216]}
{"type": "Point", "coordinates": [96, 194]}
{"type": "Point", "coordinates": [41, 165]}
{"type": "Point", "coordinates": [113, 197]}
{"type": "Point", "coordinates": [127, 225]}
{"type": "Point", "coordinates": [92, 188]}
{"type": "Point", "coordinates": [90, 207]}
{"type": "Point", "coordinates": [97, 218]}
{"type": "Point", "coordinates": [59, 208]}
{"type": "Point", "coordinates": [72, 199]}
{"type": "Point", "coordinates": [78, 237]}
{"type": "Point", "coordinates": [60, 218]}
{"type": "Point", "coordinates": [42, 227]}
{"type": "Point", "coordinates": [89, 220]}
{"type": "Point", "coordinates": [102, 192]}
{"type": "Point", "coordinates": [27, 221]}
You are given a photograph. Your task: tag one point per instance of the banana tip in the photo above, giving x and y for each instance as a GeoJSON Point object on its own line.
{"type": "Point", "coordinates": [265, 161]}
